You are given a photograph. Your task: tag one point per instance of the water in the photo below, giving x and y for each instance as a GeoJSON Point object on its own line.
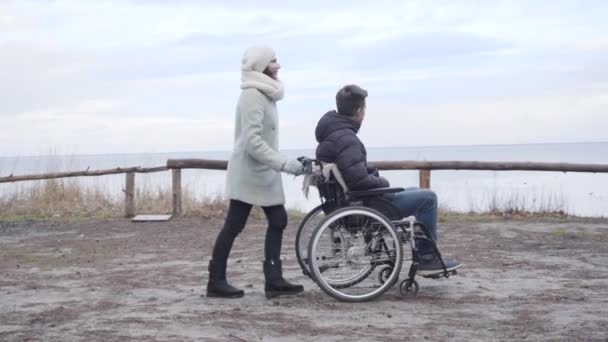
{"type": "Point", "coordinates": [584, 194]}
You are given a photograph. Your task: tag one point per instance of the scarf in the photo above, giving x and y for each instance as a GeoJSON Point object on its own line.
{"type": "Point", "coordinates": [264, 83]}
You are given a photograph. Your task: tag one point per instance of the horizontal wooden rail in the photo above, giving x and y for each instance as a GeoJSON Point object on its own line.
{"type": "Point", "coordinates": [423, 165]}
{"type": "Point", "coordinates": [489, 166]}
{"type": "Point", "coordinates": [84, 173]}
{"type": "Point", "coordinates": [210, 164]}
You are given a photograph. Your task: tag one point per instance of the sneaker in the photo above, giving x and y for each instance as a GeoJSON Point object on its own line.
{"type": "Point", "coordinates": [433, 266]}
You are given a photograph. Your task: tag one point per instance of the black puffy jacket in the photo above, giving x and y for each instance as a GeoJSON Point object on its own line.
{"type": "Point", "coordinates": [339, 144]}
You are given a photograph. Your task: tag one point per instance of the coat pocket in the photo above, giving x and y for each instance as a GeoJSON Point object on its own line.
{"type": "Point", "coordinates": [258, 173]}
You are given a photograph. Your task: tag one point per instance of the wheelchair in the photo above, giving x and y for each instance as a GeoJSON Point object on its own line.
{"type": "Point", "coordinates": [351, 245]}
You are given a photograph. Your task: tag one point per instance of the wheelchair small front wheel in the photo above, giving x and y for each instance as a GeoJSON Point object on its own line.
{"type": "Point", "coordinates": [384, 273]}
{"type": "Point", "coordinates": [368, 243]}
{"type": "Point", "coordinates": [408, 288]}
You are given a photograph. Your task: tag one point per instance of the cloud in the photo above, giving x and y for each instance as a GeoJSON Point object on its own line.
{"type": "Point", "coordinates": [596, 44]}
{"type": "Point", "coordinates": [39, 76]}
{"type": "Point", "coordinates": [7, 21]}
{"type": "Point", "coordinates": [432, 47]}
{"type": "Point", "coordinates": [87, 132]}
{"type": "Point", "coordinates": [171, 69]}
{"type": "Point", "coordinates": [521, 119]}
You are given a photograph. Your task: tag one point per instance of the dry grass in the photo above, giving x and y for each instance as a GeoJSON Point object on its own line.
{"type": "Point", "coordinates": [510, 204]}
{"type": "Point", "coordinates": [515, 203]}
{"type": "Point", "coordinates": [58, 198]}
{"type": "Point", "coordinates": [67, 199]}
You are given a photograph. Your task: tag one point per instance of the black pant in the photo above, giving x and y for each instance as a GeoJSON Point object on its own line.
{"type": "Point", "coordinates": [238, 212]}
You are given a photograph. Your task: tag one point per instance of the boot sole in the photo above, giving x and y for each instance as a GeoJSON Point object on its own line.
{"type": "Point", "coordinates": [221, 295]}
{"type": "Point", "coordinates": [274, 294]}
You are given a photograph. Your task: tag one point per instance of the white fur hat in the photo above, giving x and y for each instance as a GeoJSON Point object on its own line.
{"type": "Point", "coordinates": [257, 58]}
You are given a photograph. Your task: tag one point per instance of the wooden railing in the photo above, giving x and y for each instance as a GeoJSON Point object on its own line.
{"type": "Point", "coordinates": [129, 182]}
{"type": "Point", "coordinates": [424, 168]}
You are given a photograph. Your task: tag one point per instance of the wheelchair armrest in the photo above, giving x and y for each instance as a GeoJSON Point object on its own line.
{"type": "Point", "coordinates": [372, 192]}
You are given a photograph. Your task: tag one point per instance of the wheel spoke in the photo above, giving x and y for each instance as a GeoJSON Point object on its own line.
{"type": "Point", "coordinates": [367, 239]}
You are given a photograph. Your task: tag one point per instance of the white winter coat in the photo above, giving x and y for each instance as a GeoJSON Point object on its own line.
{"type": "Point", "coordinates": [254, 168]}
{"type": "Point", "coordinates": [254, 174]}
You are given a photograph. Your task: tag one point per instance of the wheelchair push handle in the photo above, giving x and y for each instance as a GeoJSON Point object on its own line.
{"type": "Point", "coordinates": [305, 160]}
{"type": "Point", "coordinates": [309, 164]}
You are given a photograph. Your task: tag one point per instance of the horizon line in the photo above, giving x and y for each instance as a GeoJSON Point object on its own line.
{"type": "Point", "coordinates": [302, 148]}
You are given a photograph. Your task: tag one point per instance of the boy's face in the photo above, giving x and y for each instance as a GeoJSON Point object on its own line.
{"type": "Point", "coordinates": [360, 114]}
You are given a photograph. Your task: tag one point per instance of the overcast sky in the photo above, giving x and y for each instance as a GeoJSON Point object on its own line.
{"type": "Point", "coordinates": [163, 76]}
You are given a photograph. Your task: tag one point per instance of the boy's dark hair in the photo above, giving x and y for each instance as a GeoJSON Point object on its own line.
{"type": "Point", "coordinates": [349, 99]}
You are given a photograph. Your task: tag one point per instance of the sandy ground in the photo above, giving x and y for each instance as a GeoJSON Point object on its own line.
{"type": "Point", "coordinates": [533, 279]}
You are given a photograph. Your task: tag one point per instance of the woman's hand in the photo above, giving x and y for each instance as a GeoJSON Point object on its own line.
{"type": "Point", "coordinates": [293, 166]}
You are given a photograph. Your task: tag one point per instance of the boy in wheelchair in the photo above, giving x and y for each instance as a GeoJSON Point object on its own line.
{"type": "Point", "coordinates": [336, 134]}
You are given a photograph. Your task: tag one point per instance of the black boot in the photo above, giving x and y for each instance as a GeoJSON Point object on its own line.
{"type": "Point", "coordinates": [217, 285]}
{"type": "Point", "coordinates": [275, 284]}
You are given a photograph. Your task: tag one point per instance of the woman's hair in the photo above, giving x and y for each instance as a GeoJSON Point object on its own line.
{"type": "Point", "coordinates": [267, 72]}
{"type": "Point", "coordinates": [349, 99]}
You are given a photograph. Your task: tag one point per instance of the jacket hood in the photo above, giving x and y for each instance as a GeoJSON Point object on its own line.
{"type": "Point", "coordinates": [331, 122]}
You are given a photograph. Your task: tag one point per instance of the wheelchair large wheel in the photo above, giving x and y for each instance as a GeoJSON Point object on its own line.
{"type": "Point", "coordinates": [347, 247]}
{"type": "Point", "coordinates": [305, 230]}
{"type": "Point", "coordinates": [303, 236]}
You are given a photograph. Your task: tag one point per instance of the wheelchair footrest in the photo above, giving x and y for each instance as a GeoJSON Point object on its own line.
{"type": "Point", "coordinates": [438, 275]}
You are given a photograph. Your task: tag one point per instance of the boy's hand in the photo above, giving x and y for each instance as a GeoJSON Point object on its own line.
{"type": "Point", "coordinates": [384, 181]}
{"type": "Point", "coordinates": [373, 171]}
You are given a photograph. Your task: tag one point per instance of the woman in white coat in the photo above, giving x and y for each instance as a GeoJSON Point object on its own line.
{"type": "Point", "coordinates": [254, 175]}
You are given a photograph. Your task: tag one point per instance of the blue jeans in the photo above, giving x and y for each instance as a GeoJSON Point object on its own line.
{"type": "Point", "coordinates": [421, 203]}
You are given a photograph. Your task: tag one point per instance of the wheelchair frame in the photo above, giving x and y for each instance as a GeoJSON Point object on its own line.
{"type": "Point", "coordinates": [338, 203]}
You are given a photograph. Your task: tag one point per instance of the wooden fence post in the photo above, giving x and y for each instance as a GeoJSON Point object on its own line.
{"type": "Point", "coordinates": [130, 195]}
{"type": "Point", "coordinates": [177, 192]}
{"type": "Point", "coordinates": [425, 178]}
